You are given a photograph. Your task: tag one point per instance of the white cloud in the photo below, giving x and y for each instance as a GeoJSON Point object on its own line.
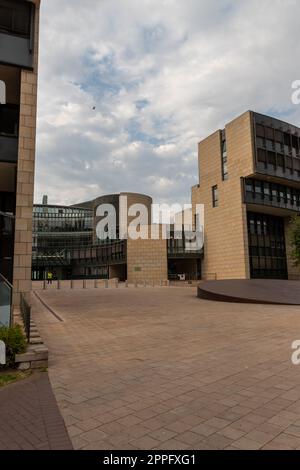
{"type": "Point", "coordinates": [161, 74]}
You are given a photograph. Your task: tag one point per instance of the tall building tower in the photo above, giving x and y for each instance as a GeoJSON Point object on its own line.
{"type": "Point", "coordinates": [19, 33]}
{"type": "Point", "coordinates": [249, 175]}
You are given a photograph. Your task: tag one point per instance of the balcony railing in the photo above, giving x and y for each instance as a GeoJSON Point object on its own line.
{"type": "Point", "coordinates": [6, 290]}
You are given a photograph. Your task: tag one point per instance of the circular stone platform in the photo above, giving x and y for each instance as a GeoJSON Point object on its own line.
{"type": "Point", "coordinates": [255, 291]}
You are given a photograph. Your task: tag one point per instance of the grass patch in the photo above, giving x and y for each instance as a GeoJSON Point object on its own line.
{"type": "Point", "coordinates": [8, 377]}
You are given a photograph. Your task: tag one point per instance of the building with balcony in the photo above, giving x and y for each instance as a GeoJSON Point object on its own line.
{"type": "Point", "coordinates": [65, 242]}
{"type": "Point", "coordinates": [249, 183]}
{"type": "Point", "coordinates": [19, 33]}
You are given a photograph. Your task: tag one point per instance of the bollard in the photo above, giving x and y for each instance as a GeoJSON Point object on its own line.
{"type": "Point", "coordinates": [117, 283]}
{"type": "Point", "coordinates": [168, 283]}
{"type": "Point", "coordinates": [95, 284]}
{"type": "Point", "coordinates": [44, 286]}
{"type": "Point", "coordinates": [160, 283]}
{"type": "Point", "coordinates": [135, 284]}
{"type": "Point", "coordinates": [145, 284]}
{"type": "Point", "coordinates": [58, 285]}
{"type": "Point", "coordinates": [106, 284]}
{"type": "Point", "coordinates": [126, 283]}
{"type": "Point", "coordinates": [72, 284]}
{"type": "Point", "coordinates": [84, 284]}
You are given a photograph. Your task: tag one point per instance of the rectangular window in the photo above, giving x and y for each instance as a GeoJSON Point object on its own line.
{"type": "Point", "coordinates": [15, 17]}
{"type": "Point", "coordinates": [215, 196]}
{"type": "Point", "coordinates": [224, 160]}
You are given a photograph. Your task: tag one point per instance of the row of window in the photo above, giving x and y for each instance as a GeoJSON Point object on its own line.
{"type": "Point", "coordinates": [52, 211]}
{"type": "Point", "coordinates": [263, 191]}
{"type": "Point", "coordinates": [42, 243]}
{"type": "Point", "coordinates": [62, 225]}
{"type": "Point", "coordinates": [278, 136]}
{"type": "Point", "coordinates": [273, 146]}
{"type": "Point", "coordinates": [113, 251]}
{"type": "Point", "coordinates": [287, 164]}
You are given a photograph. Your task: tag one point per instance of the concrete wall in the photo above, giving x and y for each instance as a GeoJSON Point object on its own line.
{"type": "Point", "coordinates": [25, 175]}
{"type": "Point", "coordinates": [226, 238]}
{"type": "Point", "coordinates": [147, 260]}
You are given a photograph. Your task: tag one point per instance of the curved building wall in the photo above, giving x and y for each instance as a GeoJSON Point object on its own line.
{"type": "Point", "coordinates": [120, 201]}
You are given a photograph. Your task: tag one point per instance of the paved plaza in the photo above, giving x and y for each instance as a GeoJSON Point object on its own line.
{"type": "Point", "coordinates": [158, 368]}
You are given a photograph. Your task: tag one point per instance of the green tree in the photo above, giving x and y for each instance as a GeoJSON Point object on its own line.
{"type": "Point", "coordinates": [295, 240]}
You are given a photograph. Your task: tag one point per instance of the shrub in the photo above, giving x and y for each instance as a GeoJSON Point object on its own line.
{"type": "Point", "coordinates": [15, 342]}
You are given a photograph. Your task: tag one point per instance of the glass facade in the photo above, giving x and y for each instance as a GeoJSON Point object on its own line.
{"type": "Point", "coordinates": [267, 250]}
{"type": "Point", "coordinates": [56, 232]}
{"type": "Point", "coordinates": [277, 148]}
{"type": "Point", "coordinates": [63, 242]}
{"type": "Point", "coordinates": [272, 194]}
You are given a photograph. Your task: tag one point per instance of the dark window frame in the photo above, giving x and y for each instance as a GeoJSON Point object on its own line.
{"type": "Point", "coordinates": [215, 196]}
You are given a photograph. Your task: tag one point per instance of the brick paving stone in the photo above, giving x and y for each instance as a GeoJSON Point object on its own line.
{"type": "Point", "coordinates": [140, 368]}
{"type": "Point", "coordinates": [30, 417]}
{"type": "Point", "coordinates": [145, 443]}
{"type": "Point", "coordinates": [163, 434]}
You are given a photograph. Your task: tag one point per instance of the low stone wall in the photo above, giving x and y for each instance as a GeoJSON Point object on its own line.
{"type": "Point", "coordinates": [36, 357]}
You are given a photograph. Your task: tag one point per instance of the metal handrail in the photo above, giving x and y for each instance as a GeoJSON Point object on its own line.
{"type": "Point", "coordinates": [6, 281]}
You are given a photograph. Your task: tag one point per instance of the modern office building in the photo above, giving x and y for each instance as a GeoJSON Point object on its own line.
{"type": "Point", "coordinates": [249, 183]}
{"type": "Point", "coordinates": [19, 33]}
{"type": "Point", "coordinates": [65, 242]}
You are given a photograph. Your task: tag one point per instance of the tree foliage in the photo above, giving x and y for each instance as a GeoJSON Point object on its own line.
{"type": "Point", "coordinates": [295, 240]}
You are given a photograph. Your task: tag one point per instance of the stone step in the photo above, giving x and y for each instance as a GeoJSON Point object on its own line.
{"type": "Point", "coordinates": [36, 340]}
{"type": "Point", "coordinates": [34, 335]}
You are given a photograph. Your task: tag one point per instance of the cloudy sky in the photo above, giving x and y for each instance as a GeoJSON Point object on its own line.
{"type": "Point", "coordinates": [161, 74]}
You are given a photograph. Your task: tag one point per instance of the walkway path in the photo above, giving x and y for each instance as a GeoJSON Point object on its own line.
{"type": "Point", "coordinates": [30, 418]}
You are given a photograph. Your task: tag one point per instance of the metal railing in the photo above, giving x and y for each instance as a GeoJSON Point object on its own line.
{"type": "Point", "coordinates": [26, 315]}
{"type": "Point", "coordinates": [6, 290]}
